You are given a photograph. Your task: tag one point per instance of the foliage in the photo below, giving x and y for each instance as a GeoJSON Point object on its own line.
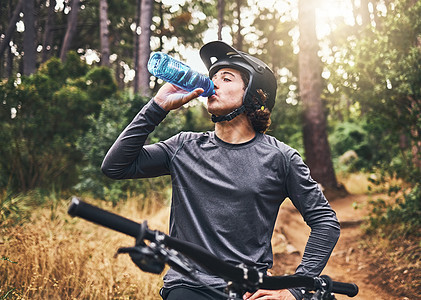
{"type": "Point", "coordinates": [112, 118]}
{"type": "Point", "coordinates": [384, 84]}
{"type": "Point", "coordinates": [196, 118]}
{"type": "Point", "coordinates": [42, 117]}
{"type": "Point", "coordinates": [286, 124]}
{"type": "Point", "coordinates": [399, 219]}
{"type": "Point", "coordinates": [354, 146]}
{"type": "Point", "coordinates": [16, 209]}
{"type": "Point", "coordinates": [115, 114]}
{"type": "Point", "coordinates": [60, 122]}
{"type": "Point", "coordinates": [385, 80]}
{"type": "Point", "coordinates": [172, 25]}
{"type": "Point", "coordinates": [187, 24]}
{"type": "Point", "coordinates": [269, 39]}
{"type": "Point", "coordinates": [57, 124]}
{"type": "Point", "coordinates": [377, 80]}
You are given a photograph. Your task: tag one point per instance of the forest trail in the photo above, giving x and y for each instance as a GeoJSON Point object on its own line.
{"type": "Point", "coordinates": [348, 262]}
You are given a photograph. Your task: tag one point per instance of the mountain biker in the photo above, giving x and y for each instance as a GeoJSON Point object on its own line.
{"type": "Point", "coordinates": [227, 184]}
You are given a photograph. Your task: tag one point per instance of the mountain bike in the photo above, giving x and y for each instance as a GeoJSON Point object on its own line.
{"type": "Point", "coordinates": [154, 249]}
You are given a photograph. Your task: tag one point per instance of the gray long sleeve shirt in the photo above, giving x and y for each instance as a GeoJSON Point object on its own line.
{"type": "Point", "coordinates": [226, 197]}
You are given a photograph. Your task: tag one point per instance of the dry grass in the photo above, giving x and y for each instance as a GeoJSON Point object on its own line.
{"type": "Point", "coordinates": [58, 257]}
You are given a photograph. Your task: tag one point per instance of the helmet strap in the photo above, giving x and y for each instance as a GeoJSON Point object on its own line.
{"type": "Point", "coordinates": [229, 116]}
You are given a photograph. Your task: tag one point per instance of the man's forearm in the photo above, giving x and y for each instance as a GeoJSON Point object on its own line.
{"type": "Point", "coordinates": [129, 144]}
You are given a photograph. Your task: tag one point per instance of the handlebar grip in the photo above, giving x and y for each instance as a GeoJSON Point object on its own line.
{"type": "Point", "coordinates": [349, 289]}
{"type": "Point", "coordinates": [78, 208]}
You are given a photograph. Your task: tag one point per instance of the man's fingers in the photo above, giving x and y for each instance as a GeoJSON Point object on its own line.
{"type": "Point", "coordinates": [194, 94]}
{"type": "Point", "coordinates": [170, 97]}
{"type": "Point", "coordinates": [256, 295]}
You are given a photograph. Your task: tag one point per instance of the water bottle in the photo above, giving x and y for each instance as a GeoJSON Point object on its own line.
{"type": "Point", "coordinates": [171, 70]}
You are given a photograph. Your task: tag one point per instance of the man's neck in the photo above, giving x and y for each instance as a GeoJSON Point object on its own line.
{"type": "Point", "coordinates": [236, 131]}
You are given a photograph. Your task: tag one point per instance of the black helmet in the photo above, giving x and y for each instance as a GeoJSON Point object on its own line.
{"type": "Point", "coordinates": [216, 55]}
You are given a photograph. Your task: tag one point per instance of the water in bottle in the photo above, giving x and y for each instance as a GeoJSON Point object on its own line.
{"type": "Point", "coordinates": [171, 70]}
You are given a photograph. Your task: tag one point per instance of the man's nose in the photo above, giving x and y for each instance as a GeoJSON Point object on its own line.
{"type": "Point", "coordinates": [215, 83]}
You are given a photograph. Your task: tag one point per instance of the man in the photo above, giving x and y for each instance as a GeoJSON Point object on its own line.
{"type": "Point", "coordinates": [227, 184]}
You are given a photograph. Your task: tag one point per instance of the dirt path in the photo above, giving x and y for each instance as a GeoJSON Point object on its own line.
{"type": "Point", "coordinates": [347, 263]}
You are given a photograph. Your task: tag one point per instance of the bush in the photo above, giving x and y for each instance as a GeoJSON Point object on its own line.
{"type": "Point", "coordinates": [350, 147]}
{"type": "Point", "coordinates": [115, 114]}
{"type": "Point", "coordinates": [41, 119]}
{"type": "Point", "coordinates": [17, 209]}
{"type": "Point", "coordinates": [397, 219]}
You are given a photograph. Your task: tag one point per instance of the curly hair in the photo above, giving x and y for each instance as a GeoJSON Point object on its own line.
{"type": "Point", "coordinates": [258, 114]}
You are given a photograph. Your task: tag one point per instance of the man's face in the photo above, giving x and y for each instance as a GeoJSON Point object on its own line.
{"type": "Point", "coordinates": [229, 92]}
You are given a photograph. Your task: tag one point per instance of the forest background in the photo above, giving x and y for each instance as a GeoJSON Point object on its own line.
{"type": "Point", "coordinates": [73, 75]}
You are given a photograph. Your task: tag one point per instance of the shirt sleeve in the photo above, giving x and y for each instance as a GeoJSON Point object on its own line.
{"type": "Point", "coordinates": [129, 157]}
{"type": "Point", "coordinates": [308, 198]}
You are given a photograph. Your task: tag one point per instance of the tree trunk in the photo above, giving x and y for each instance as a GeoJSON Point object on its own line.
{"type": "Point", "coordinates": [119, 74]}
{"type": "Point", "coordinates": [316, 144]}
{"type": "Point", "coordinates": [239, 39]}
{"type": "Point", "coordinates": [416, 148]}
{"type": "Point", "coordinates": [11, 27]}
{"type": "Point", "coordinates": [29, 39]}
{"type": "Point", "coordinates": [136, 47]}
{"type": "Point", "coordinates": [365, 14]}
{"type": "Point", "coordinates": [145, 47]}
{"type": "Point", "coordinates": [48, 32]}
{"type": "Point", "coordinates": [71, 29]}
{"type": "Point", "coordinates": [9, 66]}
{"type": "Point", "coordinates": [416, 130]}
{"type": "Point", "coordinates": [416, 135]}
{"type": "Point", "coordinates": [221, 8]}
{"type": "Point", "coordinates": [104, 33]}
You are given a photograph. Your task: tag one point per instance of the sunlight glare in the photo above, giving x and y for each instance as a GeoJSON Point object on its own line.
{"type": "Point", "coordinates": [281, 6]}
{"type": "Point", "coordinates": [20, 26]}
{"type": "Point", "coordinates": [328, 13]}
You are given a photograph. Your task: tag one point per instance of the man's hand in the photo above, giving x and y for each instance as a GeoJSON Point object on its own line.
{"type": "Point", "coordinates": [269, 295]}
{"type": "Point", "coordinates": [171, 97]}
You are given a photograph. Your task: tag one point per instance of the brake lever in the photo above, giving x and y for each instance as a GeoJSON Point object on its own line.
{"type": "Point", "coordinates": [153, 257]}
{"type": "Point", "coordinates": [178, 262]}
{"type": "Point", "coordinates": [144, 257]}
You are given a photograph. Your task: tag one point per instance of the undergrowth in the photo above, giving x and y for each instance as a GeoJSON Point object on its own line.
{"type": "Point", "coordinates": [393, 235]}
{"type": "Point", "coordinates": [54, 256]}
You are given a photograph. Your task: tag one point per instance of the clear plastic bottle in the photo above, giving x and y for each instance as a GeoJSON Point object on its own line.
{"type": "Point", "coordinates": [171, 70]}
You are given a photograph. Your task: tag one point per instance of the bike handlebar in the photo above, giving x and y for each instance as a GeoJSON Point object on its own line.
{"type": "Point", "coordinates": [102, 217]}
{"type": "Point", "coordinates": [201, 256]}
